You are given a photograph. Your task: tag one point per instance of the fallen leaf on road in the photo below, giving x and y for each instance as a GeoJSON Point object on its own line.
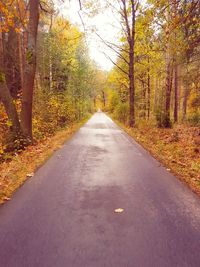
{"type": "Point", "coordinates": [30, 174]}
{"type": "Point", "coordinates": [6, 198]}
{"type": "Point", "coordinates": [119, 210]}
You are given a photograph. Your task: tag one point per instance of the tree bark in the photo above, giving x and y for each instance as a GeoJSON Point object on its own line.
{"type": "Point", "coordinates": [30, 68]}
{"type": "Point", "coordinates": [169, 72]}
{"type": "Point", "coordinates": [131, 87]}
{"type": "Point", "coordinates": [21, 61]}
{"type": "Point", "coordinates": [5, 94]}
{"type": "Point", "coordinates": [50, 55]}
{"type": "Point", "coordinates": [104, 98]}
{"type": "Point", "coordinates": [186, 92]}
{"type": "Point", "coordinates": [167, 123]}
{"type": "Point", "coordinates": [131, 41]}
{"type": "Point", "coordinates": [175, 65]}
{"type": "Point", "coordinates": [148, 91]}
{"type": "Point", "coordinates": [175, 92]}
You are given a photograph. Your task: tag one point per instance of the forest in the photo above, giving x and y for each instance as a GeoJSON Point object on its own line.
{"type": "Point", "coordinates": [156, 76]}
{"type": "Point", "coordinates": [48, 80]}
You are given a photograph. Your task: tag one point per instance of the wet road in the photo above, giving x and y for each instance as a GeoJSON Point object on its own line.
{"type": "Point", "coordinates": [65, 215]}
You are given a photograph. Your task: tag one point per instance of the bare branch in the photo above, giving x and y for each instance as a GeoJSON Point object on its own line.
{"type": "Point", "coordinates": [80, 4]}
{"type": "Point", "coordinates": [110, 46]}
{"type": "Point", "coordinates": [115, 64]}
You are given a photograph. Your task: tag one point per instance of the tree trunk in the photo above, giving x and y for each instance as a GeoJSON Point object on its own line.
{"type": "Point", "coordinates": [50, 56]}
{"type": "Point", "coordinates": [175, 91]}
{"type": "Point", "coordinates": [5, 94]}
{"type": "Point", "coordinates": [148, 92]}
{"type": "Point", "coordinates": [174, 12]}
{"type": "Point", "coordinates": [21, 61]}
{"type": "Point", "coordinates": [104, 98]}
{"type": "Point", "coordinates": [30, 68]}
{"type": "Point", "coordinates": [94, 101]}
{"type": "Point", "coordinates": [167, 123]}
{"type": "Point", "coordinates": [11, 62]}
{"type": "Point", "coordinates": [169, 75]}
{"type": "Point", "coordinates": [186, 92]}
{"type": "Point", "coordinates": [132, 65]}
{"type": "Point", "coordinates": [131, 87]}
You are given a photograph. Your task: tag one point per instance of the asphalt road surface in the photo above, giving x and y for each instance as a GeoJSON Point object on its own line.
{"type": "Point", "coordinates": [65, 214]}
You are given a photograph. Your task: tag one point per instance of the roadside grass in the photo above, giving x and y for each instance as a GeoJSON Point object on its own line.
{"type": "Point", "coordinates": [177, 149]}
{"type": "Point", "coordinates": [22, 166]}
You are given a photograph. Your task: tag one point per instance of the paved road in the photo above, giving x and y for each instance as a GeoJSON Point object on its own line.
{"type": "Point", "coordinates": [65, 215]}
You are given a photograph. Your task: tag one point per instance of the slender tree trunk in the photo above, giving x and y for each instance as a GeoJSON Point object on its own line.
{"type": "Point", "coordinates": [169, 71]}
{"type": "Point", "coordinates": [21, 61]}
{"type": "Point", "coordinates": [132, 64]}
{"type": "Point", "coordinates": [148, 92]}
{"type": "Point", "coordinates": [50, 56]}
{"type": "Point", "coordinates": [175, 65]}
{"type": "Point", "coordinates": [156, 94]}
{"type": "Point", "coordinates": [175, 91]}
{"type": "Point", "coordinates": [186, 92]}
{"type": "Point", "coordinates": [104, 98]}
{"type": "Point", "coordinates": [131, 86]}
{"type": "Point", "coordinates": [30, 68]}
{"type": "Point", "coordinates": [167, 93]}
{"type": "Point", "coordinates": [5, 95]}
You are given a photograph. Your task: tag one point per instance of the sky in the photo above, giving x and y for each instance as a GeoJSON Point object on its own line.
{"type": "Point", "coordinates": [105, 25]}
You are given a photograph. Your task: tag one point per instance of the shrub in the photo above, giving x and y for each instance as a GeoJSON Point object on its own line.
{"type": "Point", "coordinates": [121, 112]}
{"type": "Point", "coordinates": [194, 119]}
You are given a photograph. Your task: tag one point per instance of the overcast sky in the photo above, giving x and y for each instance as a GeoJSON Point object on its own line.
{"type": "Point", "coordinates": [106, 26]}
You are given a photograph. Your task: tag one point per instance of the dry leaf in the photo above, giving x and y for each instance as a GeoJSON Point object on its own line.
{"type": "Point", "coordinates": [30, 174]}
{"type": "Point", "coordinates": [119, 210]}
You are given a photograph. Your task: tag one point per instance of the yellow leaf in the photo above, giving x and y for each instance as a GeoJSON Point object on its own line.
{"type": "Point", "coordinates": [119, 210]}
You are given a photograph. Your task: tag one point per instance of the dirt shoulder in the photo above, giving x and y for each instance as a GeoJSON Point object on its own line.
{"type": "Point", "coordinates": [178, 149]}
{"type": "Point", "coordinates": [15, 172]}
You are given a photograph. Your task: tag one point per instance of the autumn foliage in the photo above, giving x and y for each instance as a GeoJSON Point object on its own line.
{"type": "Point", "coordinates": [47, 79]}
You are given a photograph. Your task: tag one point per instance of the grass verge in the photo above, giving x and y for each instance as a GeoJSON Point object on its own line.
{"type": "Point", "coordinates": [177, 149]}
{"type": "Point", "coordinates": [14, 173]}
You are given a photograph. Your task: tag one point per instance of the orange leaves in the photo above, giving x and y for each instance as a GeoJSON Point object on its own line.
{"type": "Point", "coordinates": [13, 15]}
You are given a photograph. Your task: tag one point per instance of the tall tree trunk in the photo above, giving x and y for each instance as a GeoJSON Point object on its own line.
{"type": "Point", "coordinates": [168, 92]}
{"type": "Point", "coordinates": [104, 98]}
{"type": "Point", "coordinates": [30, 68]}
{"type": "Point", "coordinates": [186, 92]}
{"type": "Point", "coordinates": [148, 92]}
{"type": "Point", "coordinates": [175, 91]}
{"type": "Point", "coordinates": [5, 95]}
{"type": "Point", "coordinates": [11, 61]}
{"type": "Point", "coordinates": [50, 56]}
{"type": "Point", "coordinates": [94, 101]}
{"type": "Point", "coordinates": [21, 61]}
{"type": "Point", "coordinates": [131, 86]}
{"type": "Point", "coordinates": [169, 71]}
{"type": "Point", "coordinates": [175, 65]}
{"type": "Point", "coordinates": [130, 32]}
